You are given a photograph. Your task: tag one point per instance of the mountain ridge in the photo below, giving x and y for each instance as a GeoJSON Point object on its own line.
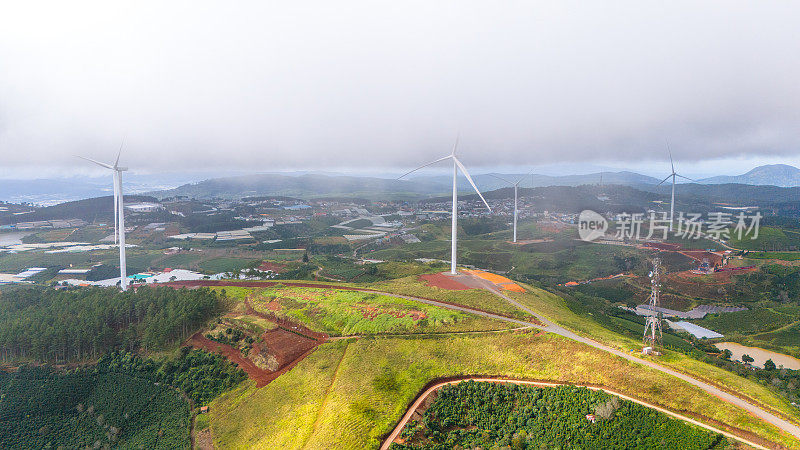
{"type": "Point", "coordinates": [781, 175]}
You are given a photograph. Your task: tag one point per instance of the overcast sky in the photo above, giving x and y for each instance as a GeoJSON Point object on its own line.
{"type": "Point", "coordinates": [269, 85]}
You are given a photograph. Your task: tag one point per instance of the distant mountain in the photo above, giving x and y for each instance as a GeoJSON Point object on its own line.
{"type": "Point", "coordinates": [490, 181]}
{"type": "Point", "coordinates": [318, 185]}
{"type": "Point", "coordinates": [306, 186]}
{"type": "Point", "coordinates": [52, 191]}
{"type": "Point", "coordinates": [90, 210]}
{"type": "Point", "coordinates": [781, 175]}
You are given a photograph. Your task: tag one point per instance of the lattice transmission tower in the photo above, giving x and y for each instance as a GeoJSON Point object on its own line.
{"type": "Point", "coordinates": [652, 328]}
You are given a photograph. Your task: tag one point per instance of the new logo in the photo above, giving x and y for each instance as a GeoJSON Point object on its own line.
{"type": "Point", "coordinates": [591, 225]}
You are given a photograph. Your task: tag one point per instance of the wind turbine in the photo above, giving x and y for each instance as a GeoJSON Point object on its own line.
{"type": "Point", "coordinates": [454, 224]}
{"type": "Point", "coordinates": [516, 186]}
{"type": "Point", "coordinates": [119, 214]}
{"type": "Point", "coordinates": [673, 175]}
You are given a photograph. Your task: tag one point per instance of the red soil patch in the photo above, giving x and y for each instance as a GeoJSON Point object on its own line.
{"type": "Point", "coordinates": [663, 246]}
{"type": "Point", "coordinates": [274, 306]}
{"type": "Point", "coordinates": [443, 282]}
{"type": "Point", "coordinates": [275, 267]}
{"type": "Point", "coordinates": [260, 376]}
{"type": "Point", "coordinates": [719, 278]}
{"type": "Point", "coordinates": [289, 343]}
{"type": "Point", "coordinates": [287, 324]}
{"type": "Point", "coordinates": [699, 255]}
{"type": "Point", "coordinates": [289, 348]}
{"type": "Point", "coordinates": [285, 345]}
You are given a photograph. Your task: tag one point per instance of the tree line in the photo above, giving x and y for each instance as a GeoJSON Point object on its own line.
{"type": "Point", "coordinates": [63, 325]}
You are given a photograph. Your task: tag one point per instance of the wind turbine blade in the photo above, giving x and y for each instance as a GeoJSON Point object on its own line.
{"type": "Point", "coordinates": [116, 163]}
{"type": "Point", "coordinates": [469, 178]}
{"type": "Point", "coordinates": [523, 177]}
{"type": "Point", "coordinates": [453, 153]}
{"type": "Point", "coordinates": [671, 163]}
{"type": "Point", "coordinates": [501, 178]}
{"type": "Point", "coordinates": [665, 179]}
{"type": "Point", "coordinates": [425, 165]}
{"type": "Point", "coordinates": [687, 178]}
{"type": "Point", "coordinates": [107, 166]}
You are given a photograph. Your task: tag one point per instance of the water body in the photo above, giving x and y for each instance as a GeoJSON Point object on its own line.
{"type": "Point", "coordinates": [759, 355]}
{"type": "Point", "coordinates": [12, 238]}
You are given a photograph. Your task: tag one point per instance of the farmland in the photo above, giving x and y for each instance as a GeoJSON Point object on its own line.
{"type": "Point", "coordinates": [40, 410]}
{"type": "Point", "coordinates": [481, 414]}
{"type": "Point", "coordinates": [473, 298]}
{"type": "Point", "coordinates": [341, 312]}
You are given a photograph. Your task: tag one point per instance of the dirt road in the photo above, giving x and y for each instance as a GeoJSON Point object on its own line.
{"type": "Point", "coordinates": [421, 399]}
{"type": "Point", "coordinates": [551, 327]}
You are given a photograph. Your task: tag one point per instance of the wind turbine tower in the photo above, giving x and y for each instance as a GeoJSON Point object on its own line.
{"type": "Point", "coordinates": [516, 210]}
{"type": "Point", "coordinates": [673, 175]}
{"type": "Point", "coordinates": [652, 327]}
{"type": "Point", "coordinates": [454, 221]}
{"type": "Point", "coordinates": [119, 214]}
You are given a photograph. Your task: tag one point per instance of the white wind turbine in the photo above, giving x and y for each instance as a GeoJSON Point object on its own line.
{"type": "Point", "coordinates": [673, 175]}
{"type": "Point", "coordinates": [453, 232]}
{"type": "Point", "coordinates": [516, 186]}
{"type": "Point", "coordinates": [119, 214]}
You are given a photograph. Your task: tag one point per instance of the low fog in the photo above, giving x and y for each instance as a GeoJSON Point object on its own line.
{"type": "Point", "coordinates": [318, 85]}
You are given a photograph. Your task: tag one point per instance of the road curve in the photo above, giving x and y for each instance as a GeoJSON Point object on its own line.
{"type": "Point", "coordinates": [767, 416]}
{"type": "Point", "coordinates": [548, 326]}
{"type": "Point", "coordinates": [410, 412]}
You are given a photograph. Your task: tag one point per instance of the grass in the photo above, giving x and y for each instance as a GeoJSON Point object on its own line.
{"type": "Point", "coordinates": [785, 256]}
{"type": "Point", "coordinates": [21, 261]}
{"type": "Point", "coordinates": [180, 260]}
{"type": "Point", "coordinates": [554, 308]}
{"type": "Point", "coordinates": [280, 415]}
{"type": "Point", "coordinates": [354, 392]}
{"type": "Point", "coordinates": [343, 313]}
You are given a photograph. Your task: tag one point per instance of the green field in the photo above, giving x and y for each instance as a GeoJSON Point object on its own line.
{"type": "Point", "coordinates": [41, 410]}
{"type": "Point", "coordinates": [342, 313]}
{"type": "Point", "coordinates": [784, 256]}
{"type": "Point", "coordinates": [769, 238]}
{"type": "Point", "coordinates": [473, 298]}
{"type": "Point", "coordinates": [180, 260]}
{"type": "Point", "coordinates": [353, 392]}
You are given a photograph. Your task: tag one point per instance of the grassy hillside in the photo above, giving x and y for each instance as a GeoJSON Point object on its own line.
{"type": "Point", "coordinates": [353, 392]}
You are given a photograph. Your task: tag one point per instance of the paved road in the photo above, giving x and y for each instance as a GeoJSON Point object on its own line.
{"type": "Point", "coordinates": [556, 329]}
{"type": "Point", "coordinates": [410, 412]}
{"type": "Point", "coordinates": [711, 389]}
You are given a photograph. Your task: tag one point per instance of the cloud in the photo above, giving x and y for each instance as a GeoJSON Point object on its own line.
{"type": "Point", "coordinates": [313, 84]}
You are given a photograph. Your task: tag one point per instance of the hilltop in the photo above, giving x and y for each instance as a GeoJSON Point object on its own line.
{"type": "Point", "coordinates": [781, 175]}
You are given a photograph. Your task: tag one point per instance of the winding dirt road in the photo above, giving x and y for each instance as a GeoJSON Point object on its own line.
{"type": "Point", "coordinates": [421, 399]}
{"type": "Point", "coordinates": [767, 416]}
{"type": "Point", "coordinates": [546, 325]}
